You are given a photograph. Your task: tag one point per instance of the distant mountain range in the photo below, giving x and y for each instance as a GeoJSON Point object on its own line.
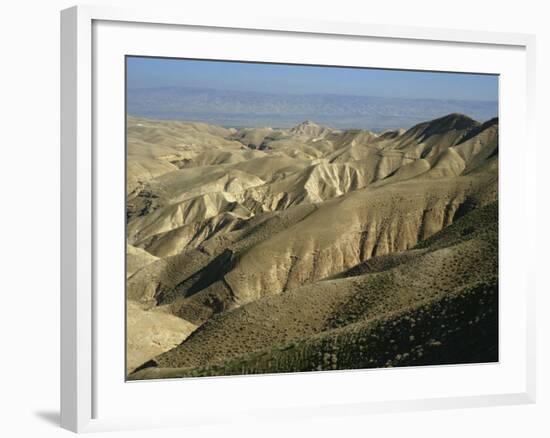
{"type": "Point", "coordinates": [253, 109]}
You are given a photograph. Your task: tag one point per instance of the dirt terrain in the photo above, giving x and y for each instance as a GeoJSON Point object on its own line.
{"type": "Point", "coordinates": [262, 250]}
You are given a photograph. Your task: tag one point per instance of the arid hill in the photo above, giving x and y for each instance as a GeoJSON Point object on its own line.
{"type": "Point", "coordinates": [279, 250]}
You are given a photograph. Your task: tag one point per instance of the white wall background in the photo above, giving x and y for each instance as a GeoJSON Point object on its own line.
{"type": "Point", "coordinates": [29, 215]}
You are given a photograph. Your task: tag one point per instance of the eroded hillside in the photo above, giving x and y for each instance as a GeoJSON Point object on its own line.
{"type": "Point", "coordinates": [310, 248]}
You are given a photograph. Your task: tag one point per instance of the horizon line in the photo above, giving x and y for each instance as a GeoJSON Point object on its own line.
{"type": "Point", "coordinates": [373, 130]}
{"type": "Point", "coordinates": [167, 87]}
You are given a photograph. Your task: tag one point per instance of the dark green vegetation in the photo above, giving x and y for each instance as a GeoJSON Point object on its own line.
{"type": "Point", "coordinates": [313, 249]}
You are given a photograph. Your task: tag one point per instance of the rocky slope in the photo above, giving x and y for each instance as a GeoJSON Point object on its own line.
{"type": "Point", "coordinates": [277, 243]}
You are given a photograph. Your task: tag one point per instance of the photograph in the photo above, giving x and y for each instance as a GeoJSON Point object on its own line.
{"type": "Point", "coordinates": [287, 218]}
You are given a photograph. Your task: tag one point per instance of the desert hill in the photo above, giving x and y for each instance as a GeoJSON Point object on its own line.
{"type": "Point", "coordinates": [433, 274]}
{"type": "Point", "coordinates": [272, 244]}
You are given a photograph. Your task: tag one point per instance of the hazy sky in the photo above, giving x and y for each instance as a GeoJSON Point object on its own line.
{"type": "Point", "coordinates": [292, 79]}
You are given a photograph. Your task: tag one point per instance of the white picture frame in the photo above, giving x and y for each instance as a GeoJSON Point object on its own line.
{"type": "Point", "coordinates": [83, 174]}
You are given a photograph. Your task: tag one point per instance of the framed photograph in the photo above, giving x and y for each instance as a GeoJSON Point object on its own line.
{"type": "Point", "coordinates": [284, 218]}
